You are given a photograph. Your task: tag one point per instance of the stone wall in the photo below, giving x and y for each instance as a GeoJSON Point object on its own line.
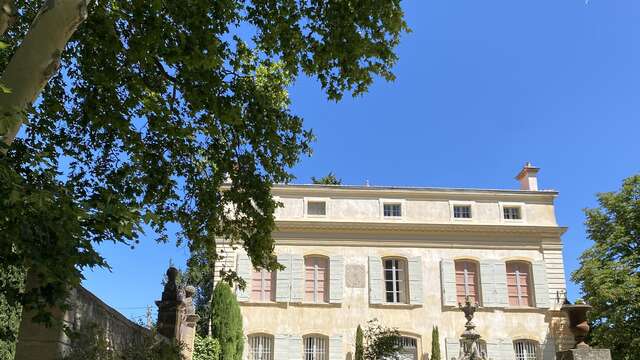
{"type": "Point", "coordinates": [42, 343]}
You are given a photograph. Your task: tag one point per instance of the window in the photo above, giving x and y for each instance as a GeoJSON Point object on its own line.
{"type": "Point", "coordinates": [316, 279]}
{"type": "Point", "coordinates": [462, 211]}
{"type": "Point", "coordinates": [467, 281]}
{"type": "Point", "coordinates": [408, 348]}
{"type": "Point", "coordinates": [526, 349]}
{"type": "Point", "coordinates": [395, 280]}
{"type": "Point", "coordinates": [262, 286]}
{"type": "Point", "coordinates": [512, 213]}
{"type": "Point", "coordinates": [518, 283]}
{"type": "Point", "coordinates": [316, 347]}
{"type": "Point", "coordinates": [260, 347]}
{"type": "Point", "coordinates": [317, 208]}
{"type": "Point", "coordinates": [392, 210]}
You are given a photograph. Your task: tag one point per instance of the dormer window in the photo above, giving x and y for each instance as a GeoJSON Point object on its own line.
{"type": "Point", "coordinates": [462, 211]}
{"type": "Point", "coordinates": [512, 213]}
{"type": "Point", "coordinates": [317, 208]}
{"type": "Point", "coordinates": [392, 210]}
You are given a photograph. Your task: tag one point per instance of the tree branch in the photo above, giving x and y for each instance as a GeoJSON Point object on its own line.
{"type": "Point", "coordinates": [36, 61]}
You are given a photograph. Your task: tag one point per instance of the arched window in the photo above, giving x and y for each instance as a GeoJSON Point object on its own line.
{"type": "Point", "coordinates": [260, 347]}
{"type": "Point", "coordinates": [316, 287]}
{"type": "Point", "coordinates": [408, 348]}
{"type": "Point", "coordinates": [526, 349]}
{"type": "Point", "coordinates": [519, 283]}
{"type": "Point", "coordinates": [467, 281]}
{"type": "Point", "coordinates": [262, 286]}
{"type": "Point", "coordinates": [395, 280]}
{"type": "Point", "coordinates": [316, 347]}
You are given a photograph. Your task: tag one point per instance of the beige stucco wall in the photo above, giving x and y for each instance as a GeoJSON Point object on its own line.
{"type": "Point", "coordinates": [331, 320]}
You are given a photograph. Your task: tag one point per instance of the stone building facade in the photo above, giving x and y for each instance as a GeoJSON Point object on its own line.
{"type": "Point", "coordinates": [407, 256]}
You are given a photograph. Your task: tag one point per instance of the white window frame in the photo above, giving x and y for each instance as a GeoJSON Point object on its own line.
{"type": "Point", "coordinates": [526, 349]}
{"type": "Point", "coordinates": [319, 349]}
{"type": "Point", "coordinates": [325, 200]}
{"type": "Point", "coordinates": [403, 208]}
{"type": "Point", "coordinates": [263, 343]}
{"type": "Point", "coordinates": [400, 283]}
{"type": "Point", "coordinates": [466, 278]}
{"type": "Point", "coordinates": [521, 205]}
{"type": "Point", "coordinates": [472, 206]}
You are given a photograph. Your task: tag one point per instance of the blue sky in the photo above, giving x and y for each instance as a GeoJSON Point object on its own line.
{"type": "Point", "coordinates": [482, 87]}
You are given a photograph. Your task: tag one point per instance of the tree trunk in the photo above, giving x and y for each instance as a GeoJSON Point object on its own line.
{"type": "Point", "coordinates": [36, 60]}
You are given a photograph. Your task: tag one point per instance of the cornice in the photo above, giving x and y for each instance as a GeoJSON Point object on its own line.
{"type": "Point", "coordinates": [408, 227]}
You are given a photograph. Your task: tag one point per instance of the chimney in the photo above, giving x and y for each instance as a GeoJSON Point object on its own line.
{"type": "Point", "coordinates": [528, 177]}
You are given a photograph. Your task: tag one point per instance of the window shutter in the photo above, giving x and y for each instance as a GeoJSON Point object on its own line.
{"type": "Point", "coordinates": [493, 350]}
{"type": "Point", "coordinates": [283, 279]}
{"type": "Point", "coordinates": [549, 349]}
{"type": "Point", "coordinates": [540, 285]}
{"type": "Point", "coordinates": [506, 350]}
{"type": "Point", "coordinates": [336, 279]}
{"type": "Point", "coordinates": [500, 279]}
{"type": "Point", "coordinates": [415, 280]}
{"type": "Point", "coordinates": [335, 348]}
{"type": "Point", "coordinates": [297, 278]}
{"type": "Point", "coordinates": [280, 346]}
{"type": "Point", "coordinates": [448, 279]}
{"type": "Point", "coordinates": [295, 348]}
{"type": "Point", "coordinates": [488, 284]}
{"type": "Point", "coordinates": [453, 348]}
{"type": "Point", "coordinates": [244, 271]}
{"type": "Point", "coordinates": [375, 280]}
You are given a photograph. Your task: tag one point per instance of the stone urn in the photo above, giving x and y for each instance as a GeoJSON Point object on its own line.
{"type": "Point", "coordinates": [578, 322]}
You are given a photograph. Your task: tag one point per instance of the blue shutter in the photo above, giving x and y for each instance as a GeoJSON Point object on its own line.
{"type": "Point", "coordinates": [297, 278]}
{"type": "Point", "coordinates": [244, 271]}
{"type": "Point", "coordinates": [415, 280]}
{"type": "Point", "coordinates": [336, 279]}
{"type": "Point", "coordinates": [448, 279]}
{"type": "Point", "coordinates": [375, 280]}
{"type": "Point", "coordinates": [283, 279]}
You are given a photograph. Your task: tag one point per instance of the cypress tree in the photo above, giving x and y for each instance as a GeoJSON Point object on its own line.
{"type": "Point", "coordinates": [359, 346]}
{"type": "Point", "coordinates": [435, 344]}
{"type": "Point", "coordinates": [227, 323]}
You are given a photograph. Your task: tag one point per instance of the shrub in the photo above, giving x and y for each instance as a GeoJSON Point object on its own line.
{"type": "Point", "coordinates": [359, 345]}
{"type": "Point", "coordinates": [381, 342]}
{"type": "Point", "coordinates": [226, 323]}
{"type": "Point", "coordinates": [206, 348]}
{"type": "Point", "coordinates": [435, 344]}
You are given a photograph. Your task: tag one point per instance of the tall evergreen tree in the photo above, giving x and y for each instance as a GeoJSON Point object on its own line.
{"type": "Point", "coordinates": [435, 344]}
{"type": "Point", "coordinates": [227, 323]}
{"type": "Point", "coordinates": [609, 272]}
{"type": "Point", "coordinates": [359, 355]}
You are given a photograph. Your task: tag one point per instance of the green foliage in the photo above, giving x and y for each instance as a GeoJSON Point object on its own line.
{"type": "Point", "coordinates": [206, 348]}
{"type": "Point", "coordinates": [166, 112]}
{"type": "Point", "coordinates": [329, 179]}
{"type": "Point", "coordinates": [380, 342]}
{"type": "Point", "coordinates": [227, 323]}
{"type": "Point", "coordinates": [359, 353]}
{"type": "Point", "coordinates": [11, 281]}
{"type": "Point", "coordinates": [90, 343]}
{"type": "Point", "coordinates": [435, 344]}
{"type": "Point", "coordinates": [609, 272]}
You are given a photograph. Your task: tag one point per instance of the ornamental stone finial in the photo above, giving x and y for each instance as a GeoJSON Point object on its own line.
{"type": "Point", "coordinates": [470, 338]}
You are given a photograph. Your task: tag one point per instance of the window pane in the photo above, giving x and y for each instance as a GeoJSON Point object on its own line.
{"type": "Point", "coordinates": [262, 283]}
{"type": "Point", "coordinates": [260, 347]}
{"type": "Point", "coordinates": [316, 348]}
{"type": "Point", "coordinates": [317, 208]}
{"type": "Point", "coordinates": [466, 281]}
{"type": "Point", "coordinates": [316, 275]}
{"type": "Point", "coordinates": [518, 286]}
{"type": "Point", "coordinates": [526, 349]}
{"type": "Point", "coordinates": [462, 211]}
{"type": "Point", "coordinates": [512, 213]}
{"type": "Point", "coordinates": [392, 210]}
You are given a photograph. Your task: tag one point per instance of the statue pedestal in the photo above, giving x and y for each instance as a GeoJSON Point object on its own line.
{"type": "Point", "coordinates": [584, 353]}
